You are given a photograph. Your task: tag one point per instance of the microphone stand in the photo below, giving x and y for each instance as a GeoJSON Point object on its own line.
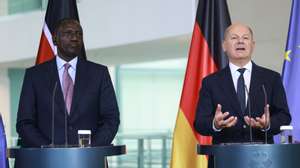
{"type": "Point", "coordinates": [266, 115]}
{"type": "Point", "coordinates": [249, 114]}
{"type": "Point", "coordinates": [66, 125]}
{"type": "Point", "coordinates": [53, 115]}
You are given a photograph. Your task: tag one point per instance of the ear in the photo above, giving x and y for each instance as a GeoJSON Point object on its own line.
{"type": "Point", "coordinates": [224, 46]}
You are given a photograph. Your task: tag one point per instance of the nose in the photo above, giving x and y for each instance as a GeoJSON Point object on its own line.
{"type": "Point", "coordinates": [240, 41]}
{"type": "Point", "coordinates": [74, 37]}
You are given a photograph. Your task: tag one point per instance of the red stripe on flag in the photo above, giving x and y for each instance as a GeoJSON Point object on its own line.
{"type": "Point", "coordinates": [200, 64]}
{"type": "Point", "coordinates": [45, 52]}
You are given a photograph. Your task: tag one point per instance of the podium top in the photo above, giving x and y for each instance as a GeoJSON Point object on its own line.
{"type": "Point", "coordinates": [238, 147]}
{"type": "Point", "coordinates": [253, 155]}
{"type": "Point", "coordinates": [100, 151]}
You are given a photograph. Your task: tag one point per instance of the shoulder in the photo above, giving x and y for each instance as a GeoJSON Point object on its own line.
{"type": "Point", "coordinates": [95, 66]}
{"type": "Point", "coordinates": [265, 72]}
{"type": "Point", "coordinates": [218, 75]}
{"type": "Point", "coordinates": [43, 67]}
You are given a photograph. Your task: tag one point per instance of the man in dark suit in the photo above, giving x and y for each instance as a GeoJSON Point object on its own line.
{"type": "Point", "coordinates": [241, 95]}
{"type": "Point", "coordinates": [88, 103]}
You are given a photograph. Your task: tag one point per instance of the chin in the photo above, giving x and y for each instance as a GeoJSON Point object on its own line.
{"type": "Point", "coordinates": [241, 56]}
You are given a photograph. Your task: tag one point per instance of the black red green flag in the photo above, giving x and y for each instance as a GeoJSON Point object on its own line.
{"type": "Point", "coordinates": [205, 57]}
{"type": "Point", "coordinates": [56, 10]}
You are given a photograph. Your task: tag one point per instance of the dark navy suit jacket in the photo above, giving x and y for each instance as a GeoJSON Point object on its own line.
{"type": "Point", "coordinates": [218, 88]}
{"type": "Point", "coordinates": [94, 106]}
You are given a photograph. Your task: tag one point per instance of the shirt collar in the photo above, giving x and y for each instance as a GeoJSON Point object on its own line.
{"type": "Point", "coordinates": [234, 68]}
{"type": "Point", "coordinates": [60, 62]}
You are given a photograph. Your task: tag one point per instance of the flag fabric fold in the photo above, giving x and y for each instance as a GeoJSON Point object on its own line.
{"type": "Point", "coordinates": [205, 57]}
{"type": "Point", "coordinates": [291, 67]}
{"type": "Point", "coordinates": [3, 156]}
{"type": "Point", "coordinates": [56, 10]}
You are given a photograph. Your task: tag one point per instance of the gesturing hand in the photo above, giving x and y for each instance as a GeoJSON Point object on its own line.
{"type": "Point", "coordinates": [262, 122]}
{"type": "Point", "coordinates": [220, 121]}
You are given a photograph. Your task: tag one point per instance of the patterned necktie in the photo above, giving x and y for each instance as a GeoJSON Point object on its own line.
{"type": "Point", "coordinates": [241, 89]}
{"type": "Point", "coordinates": [67, 87]}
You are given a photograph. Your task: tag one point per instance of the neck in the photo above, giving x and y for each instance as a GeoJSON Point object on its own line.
{"type": "Point", "coordinates": [240, 63]}
{"type": "Point", "coordinates": [66, 58]}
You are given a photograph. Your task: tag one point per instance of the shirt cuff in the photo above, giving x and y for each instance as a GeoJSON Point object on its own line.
{"type": "Point", "coordinates": [214, 128]}
{"type": "Point", "coordinates": [264, 130]}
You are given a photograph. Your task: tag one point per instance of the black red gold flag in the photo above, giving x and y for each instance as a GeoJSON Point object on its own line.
{"type": "Point", "coordinates": [205, 57]}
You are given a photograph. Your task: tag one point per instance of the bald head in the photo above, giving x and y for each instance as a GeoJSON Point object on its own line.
{"type": "Point", "coordinates": [237, 25]}
{"type": "Point", "coordinates": [238, 44]}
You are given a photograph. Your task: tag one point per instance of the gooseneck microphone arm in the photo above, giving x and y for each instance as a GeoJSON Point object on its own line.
{"type": "Point", "coordinates": [66, 126]}
{"type": "Point", "coordinates": [53, 115]}
{"type": "Point", "coordinates": [249, 114]}
{"type": "Point", "coordinates": [267, 117]}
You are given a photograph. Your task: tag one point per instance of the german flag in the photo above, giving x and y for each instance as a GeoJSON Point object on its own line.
{"type": "Point", "coordinates": [56, 10]}
{"type": "Point", "coordinates": [205, 57]}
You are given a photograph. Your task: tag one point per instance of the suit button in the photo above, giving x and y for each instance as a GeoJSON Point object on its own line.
{"type": "Point", "coordinates": [244, 126]}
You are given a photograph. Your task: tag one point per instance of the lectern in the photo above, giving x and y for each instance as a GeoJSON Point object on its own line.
{"type": "Point", "coordinates": [253, 155]}
{"type": "Point", "coordinates": [74, 157]}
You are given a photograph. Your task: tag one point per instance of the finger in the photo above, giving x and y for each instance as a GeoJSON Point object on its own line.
{"type": "Point", "coordinates": [217, 124]}
{"type": "Point", "coordinates": [267, 113]}
{"type": "Point", "coordinates": [260, 120]}
{"type": "Point", "coordinates": [219, 109]}
{"type": "Point", "coordinates": [247, 120]}
{"type": "Point", "coordinates": [219, 117]}
{"type": "Point", "coordinates": [267, 108]}
{"type": "Point", "coordinates": [254, 123]}
{"type": "Point", "coordinates": [232, 123]}
{"type": "Point", "coordinates": [218, 113]}
{"type": "Point", "coordinates": [263, 123]}
{"type": "Point", "coordinates": [228, 120]}
{"type": "Point", "coordinates": [220, 123]}
{"type": "Point", "coordinates": [224, 115]}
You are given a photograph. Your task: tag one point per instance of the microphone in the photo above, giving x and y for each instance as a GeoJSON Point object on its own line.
{"type": "Point", "coordinates": [266, 115]}
{"type": "Point", "coordinates": [53, 115]}
{"type": "Point", "coordinates": [249, 114]}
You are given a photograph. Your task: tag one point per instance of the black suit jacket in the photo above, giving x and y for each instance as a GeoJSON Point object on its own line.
{"type": "Point", "coordinates": [94, 106]}
{"type": "Point", "coordinates": [218, 88]}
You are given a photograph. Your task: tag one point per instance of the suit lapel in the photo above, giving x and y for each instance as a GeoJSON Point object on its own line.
{"type": "Point", "coordinates": [228, 87]}
{"type": "Point", "coordinates": [257, 80]}
{"type": "Point", "coordinates": [79, 85]}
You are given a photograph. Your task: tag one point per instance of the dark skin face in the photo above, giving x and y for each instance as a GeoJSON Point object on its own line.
{"type": "Point", "coordinates": [69, 40]}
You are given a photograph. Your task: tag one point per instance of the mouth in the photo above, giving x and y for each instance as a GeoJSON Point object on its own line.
{"type": "Point", "coordinates": [74, 44]}
{"type": "Point", "coordinates": [74, 47]}
{"type": "Point", "coordinates": [240, 49]}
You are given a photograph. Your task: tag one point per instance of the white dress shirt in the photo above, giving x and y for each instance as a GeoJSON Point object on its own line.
{"type": "Point", "coordinates": [247, 76]}
{"type": "Point", "coordinates": [60, 67]}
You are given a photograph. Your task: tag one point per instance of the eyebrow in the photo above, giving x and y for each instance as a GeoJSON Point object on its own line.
{"type": "Point", "coordinates": [248, 34]}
